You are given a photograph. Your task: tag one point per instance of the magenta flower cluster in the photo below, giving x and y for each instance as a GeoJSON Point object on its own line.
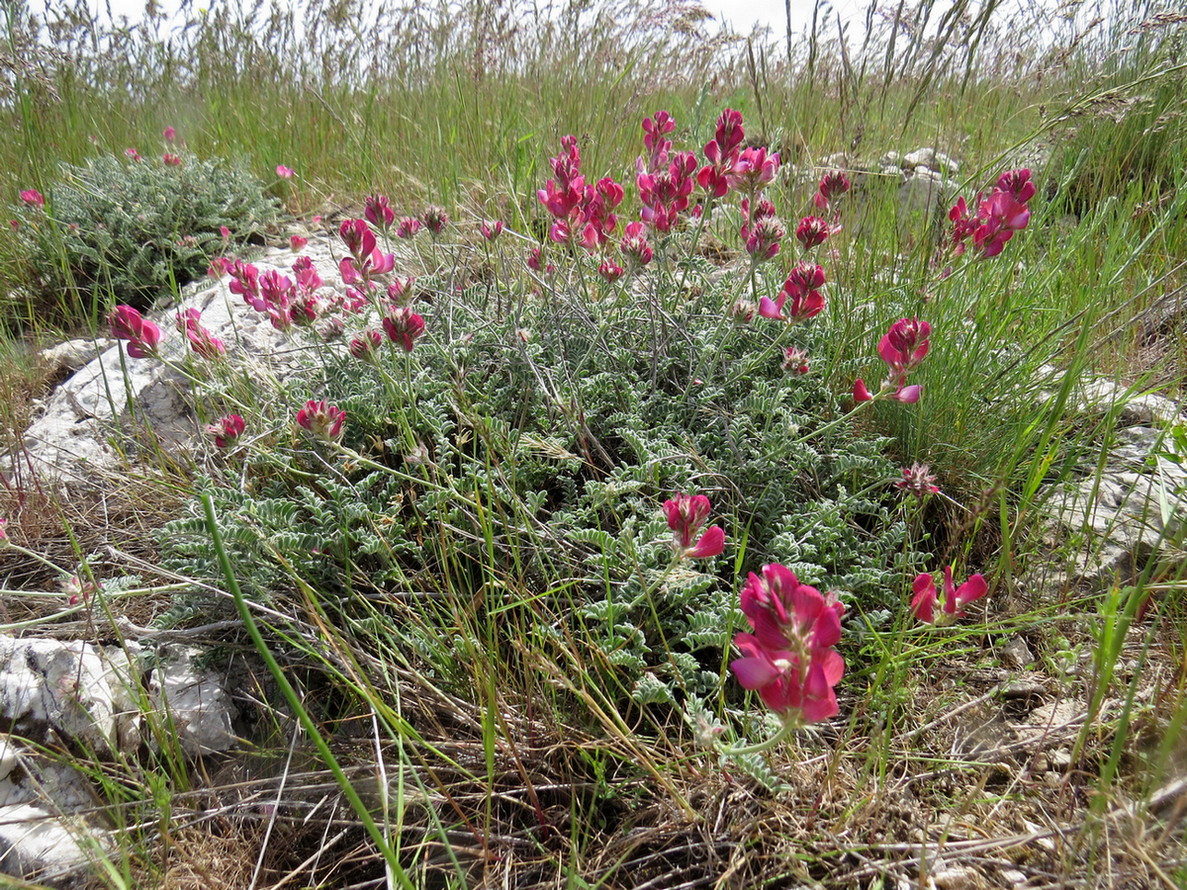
{"type": "Point", "coordinates": [201, 341]}
{"type": "Point", "coordinates": [687, 514]}
{"type": "Point", "coordinates": [952, 600]}
{"type": "Point", "coordinates": [998, 216]}
{"type": "Point", "coordinates": [800, 295]}
{"type": "Point", "coordinates": [583, 213]}
{"type": "Point", "coordinates": [142, 335]}
{"type": "Point", "coordinates": [902, 348]}
{"type": "Point", "coordinates": [665, 181]}
{"type": "Point", "coordinates": [286, 301]}
{"type": "Point", "coordinates": [227, 430]}
{"type": "Point", "coordinates": [322, 420]}
{"type": "Point", "coordinates": [789, 658]}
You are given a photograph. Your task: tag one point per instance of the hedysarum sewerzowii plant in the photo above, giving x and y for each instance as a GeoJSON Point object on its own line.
{"type": "Point", "coordinates": [998, 217]}
{"type": "Point", "coordinates": [322, 420]}
{"type": "Point", "coordinates": [403, 326]}
{"type": "Point", "coordinates": [802, 288]}
{"type": "Point", "coordinates": [201, 341]}
{"type": "Point", "coordinates": [902, 348]}
{"type": "Point", "coordinates": [227, 430]}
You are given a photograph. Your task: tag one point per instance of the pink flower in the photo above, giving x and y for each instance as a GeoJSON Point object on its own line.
{"type": "Point", "coordinates": [78, 590]}
{"type": "Point", "coordinates": [170, 134]}
{"type": "Point", "coordinates": [321, 419]}
{"type": "Point", "coordinates": [132, 154]}
{"type": "Point", "coordinates": [33, 198]}
{"type": "Point", "coordinates": [902, 348]}
{"type": "Point", "coordinates": [789, 658]}
{"type": "Point", "coordinates": [536, 261]}
{"type": "Point", "coordinates": [583, 213]}
{"type": "Point", "coordinates": [561, 195]}
{"type": "Point", "coordinates": [610, 271]}
{"type": "Point", "coordinates": [491, 229]}
{"type": "Point", "coordinates": [227, 430]}
{"type": "Point", "coordinates": [435, 219]}
{"type": "Point", "coordinates": [795, 360]}
{"type": "Point", "coordinates": [1003, 215]}
{"type": "Point", "coordinates": [743, 311]}
{"type": "Point", "coordinates": [201, 340]}
{"type": "Point", "coordinates": [998, 217]}
{"type": "Point", "coordinates": [654, 131]}
{"type": "Point", "coordinates": [753, 169]}
{"type": "Point", "coordinates": [4, 533]}
{"type": "Point", "coordinates": [635, 248]}
{"type": "Point", "coordinates": [285, 172]}
{"type": "Point", "coordinates": [761, 229]}
{"type": "Point", "coordinates": [812, 232]}
{"type": "Point", "coordinates": [379, 213]}
{"type": "Point", "coordinates": [403, 326]}
{"type": "Point", "coordinates": [171, 160]}
{"type": "Point", "coordinates": [400, 291]}
{"type": "Point", "coordinates": [245, 281]}
{"type": "Point", "coordinates": [962, 225]}
{"type": "Point", "coordinates": [375, 263]}
{"type": "Point", "coordinates": [307, 278]}
{"type": "Point", "coordinates": [801, 288]}
{"type": "Point", "coordinates": [276, 291]}
{"type": "Point", "coordinates": [224, 233]}
{"type": "Point", "coordinates": [1018, 184]}
{"type": "Point", "coordinates": [686, 515]}
{"type": "Point", "coordinates": [142, 335]}
{"type": "Point", "coordinates": [408, 227]}
{"type": "Point", "coordinates": [306, 309]}
{"type": "Point", "coordinates": [365, 345]}
{"type": "Point", "coordinates": [357, 236]}
{"type": "Point", "coordinates": [297, 242]}
{"type": "Point", "coordinates": [722, 152]}
{"type": "Point", "coordinates": [953, 602]}
{"type": "Point", "coordinates": [833, 185]}
{"type": "Point", "coordinates": [591, 220]}
{"type": "Point", "coordinates": [665, 192]}
{"type": "Point", "coordinates": [918, 480]}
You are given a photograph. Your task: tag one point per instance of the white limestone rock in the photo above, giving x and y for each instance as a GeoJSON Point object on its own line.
{"type": "Point", "coordinates": [74, 354]}
{"type": "Point", "coordinates": [70, 439]}
{"type": "Point", "coordinates": [52, 690]}
{"type": "Point", "coordinates": [924, 192]}
{"type": "Point", "coordinates": [199, 707]}
{"type": "Point", "coordinates": [37, 845]}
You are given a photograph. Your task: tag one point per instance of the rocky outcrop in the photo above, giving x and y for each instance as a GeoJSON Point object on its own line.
{"type": "Point", "coordinates": [72, 438]}
{"type": "Point", "coordinates": [101, 702]}
{"type": "Point", "coordinates": [1133, 503]}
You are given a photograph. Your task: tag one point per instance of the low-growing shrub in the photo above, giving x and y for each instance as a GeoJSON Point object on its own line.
{"type": "Point", "coordinates": [132, 229]}
{"type": "Point", "coordinates": [511, 450]}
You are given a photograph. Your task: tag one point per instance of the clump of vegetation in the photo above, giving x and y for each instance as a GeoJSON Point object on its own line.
{"type": "Point", "coordinates": [132, 229]}
{"type": "Point", "coordinates": [551, 553]}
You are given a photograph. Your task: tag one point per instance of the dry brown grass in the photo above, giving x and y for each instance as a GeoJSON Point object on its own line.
{"type": "Point", "coordinates": [976, 782]}
{"type": "Point", "coordinates": [112, 526]}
